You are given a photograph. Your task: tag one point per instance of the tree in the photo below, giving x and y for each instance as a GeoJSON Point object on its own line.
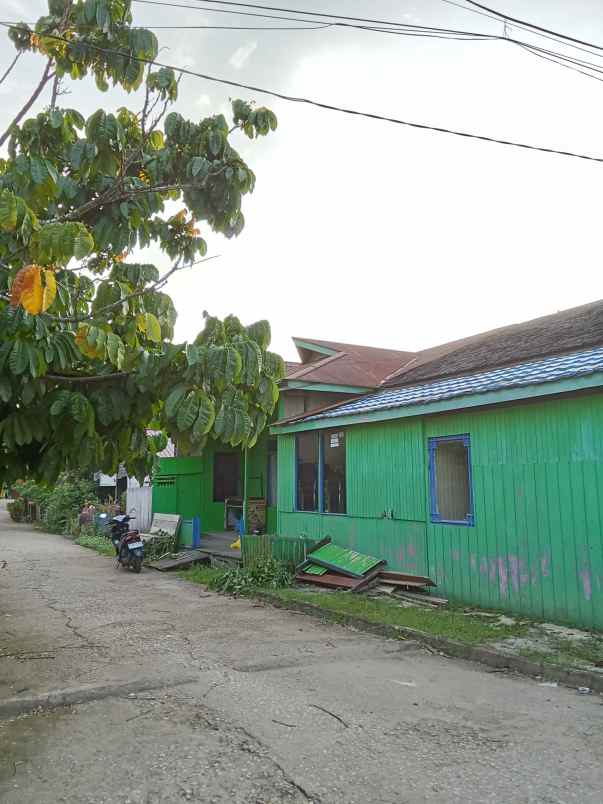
{"type": "Point", "coordinates": [89, 375]}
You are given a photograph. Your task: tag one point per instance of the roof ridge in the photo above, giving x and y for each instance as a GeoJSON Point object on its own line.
{"type": "Point", "coordinates": [307, 367]}
{"type": "Point", "coordinates": [337, 344]}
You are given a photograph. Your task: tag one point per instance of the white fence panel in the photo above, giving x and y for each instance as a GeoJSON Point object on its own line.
{"type": "Point", "coordinates": [141, 499]}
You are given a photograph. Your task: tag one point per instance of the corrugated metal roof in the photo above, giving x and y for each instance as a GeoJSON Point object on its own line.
{"type": "Point", "coordinates": [533, 372]}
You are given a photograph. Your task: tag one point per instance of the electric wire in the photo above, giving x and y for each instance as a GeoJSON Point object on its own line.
{"type": "Point", "coordinates": [529, 25]}
{"type": "Point", "coordinates": [393, 27]}
{"type": "Point", "coordinates": [326, 106]}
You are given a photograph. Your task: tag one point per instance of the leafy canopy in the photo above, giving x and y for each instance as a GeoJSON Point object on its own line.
{"type": "Point", "coordinates": [89, 375]}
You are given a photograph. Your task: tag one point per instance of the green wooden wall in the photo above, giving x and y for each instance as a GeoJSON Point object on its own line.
{"type": "Point", "coordinates": [384, 472]}
{"type": "Point", "coordinates": [537, 544]}
{"type": "Point", "coordinates": [192, 493]}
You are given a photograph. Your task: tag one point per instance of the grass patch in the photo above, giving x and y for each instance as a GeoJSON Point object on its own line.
{"type": "Point", "coordinates": [93, 541]}
{"type": "Point", "coordinates": [439, 622]}
{"type": "Point", "coordinates": [202, 574]}
{"type": "Point", "coordinates": [583, 653]}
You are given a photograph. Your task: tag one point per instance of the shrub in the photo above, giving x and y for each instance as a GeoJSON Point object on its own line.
{"type": "Point", "coordinates": [264, 573]}
{"type": "Point", "coordinates": [65, 500]}
{"type": "Point", "coordinates": [89, 538]}
{"type": "Point", "coordinates": [16, 509]}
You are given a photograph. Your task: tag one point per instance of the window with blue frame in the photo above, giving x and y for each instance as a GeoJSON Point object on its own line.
{"type": "Point", "coordinates": [320, 466]}
{"type": "Point", "coordinates": [333, 472]}
{"type": "Point", "coordinates": [450, 481]}
{"type": "Point", "coordinates": [306, 459]}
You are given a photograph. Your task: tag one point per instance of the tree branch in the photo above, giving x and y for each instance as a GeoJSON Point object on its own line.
{"type": "Point", "coordinates": [9, 69]}
{"type": "Point", "coordinates": [55, 91]}
{"type": "Point", "coordinates": [152, 287]}
{"type": "Point", "coordinates": [116, 195]}
{"type": "Point", "coordinates": [46, 76]}
{"type": "Point", "coordinates": [66, 378]}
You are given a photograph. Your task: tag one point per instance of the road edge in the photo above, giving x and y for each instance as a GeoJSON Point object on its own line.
{"type": "Point", "coordinates": [448, 647]}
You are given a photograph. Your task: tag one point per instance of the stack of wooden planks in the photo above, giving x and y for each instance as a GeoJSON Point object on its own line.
{"type": "Point", "coordinates": [332, 566]}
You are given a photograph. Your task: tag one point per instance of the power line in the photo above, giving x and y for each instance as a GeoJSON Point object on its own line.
{"type": "Point", "coordinates": [402, 29]}
{"type": "Point", "coordinates": [517, 25]}
{"type": "Point", "coordinates": [319, 26]}
{"type": "Point", "coordinates": [535, 52]}
{"type": "Point", "coordinates": [393, 27]}
{"type": "Point", "coordinates": [530, 25]}
{"type": "Point", "coordinates": [327, 106]}
{"type": "Point", "coordinates": [297, 11]}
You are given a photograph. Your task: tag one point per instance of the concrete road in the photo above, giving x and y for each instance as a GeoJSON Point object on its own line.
{"type": "Point", "coordinates": [237, 702]}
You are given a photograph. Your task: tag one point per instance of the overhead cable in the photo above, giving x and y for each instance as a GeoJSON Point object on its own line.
{"type": "Point", "coordinates": [327, 106]}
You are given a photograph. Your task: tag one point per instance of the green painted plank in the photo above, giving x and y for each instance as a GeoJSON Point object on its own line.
{"type": "Point", "coordinates": [348, 561]}
{"type": "Point", "coordinates": [314, 569]}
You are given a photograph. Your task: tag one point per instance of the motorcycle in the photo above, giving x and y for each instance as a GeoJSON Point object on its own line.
{"type": "Point", "coordinates": [129, 547]}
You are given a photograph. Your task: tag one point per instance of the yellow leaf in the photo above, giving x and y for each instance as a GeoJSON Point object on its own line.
{"type": "Point", "coordinates": [31, 297]}
{"type": "Point", "coordinates": [50, 290]}
{"type": "Point", "coordinates": [81, 340]}
{"type": "Point", "coordinates": [141, 322]}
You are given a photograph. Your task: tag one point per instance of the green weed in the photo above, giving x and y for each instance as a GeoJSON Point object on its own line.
{"type": "Point", "coordinates": [439, 622]}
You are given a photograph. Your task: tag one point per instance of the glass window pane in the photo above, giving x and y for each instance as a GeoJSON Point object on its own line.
{"type": "Point", "coordinates": [307, 472]}
{"type": "Point", "coordinates": [334, 485]}
{"type": "Point", "coordinates": [453, 496]}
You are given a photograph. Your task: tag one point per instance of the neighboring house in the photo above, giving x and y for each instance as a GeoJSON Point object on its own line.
{"type": "Point", "coordinates": [478, 463]}
{"type": "Point", "coordinates": [200, 486]}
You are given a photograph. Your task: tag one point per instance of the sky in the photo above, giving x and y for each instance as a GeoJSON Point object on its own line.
{"type": "Point", "coordinates": [362, 231]}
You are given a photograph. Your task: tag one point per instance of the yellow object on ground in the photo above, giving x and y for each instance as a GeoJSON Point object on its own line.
{"type": "Point", "coordinates": [236, 545]}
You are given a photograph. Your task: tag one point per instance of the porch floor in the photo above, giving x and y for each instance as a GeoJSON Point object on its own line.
{"type": "Point", "coordinates": [215, 547]}
{"type": "Point", "coordinates": [218, 544]}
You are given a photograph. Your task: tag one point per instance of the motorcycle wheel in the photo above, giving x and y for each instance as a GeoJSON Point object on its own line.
{"type": "Point", "coordinates": [136, 564]}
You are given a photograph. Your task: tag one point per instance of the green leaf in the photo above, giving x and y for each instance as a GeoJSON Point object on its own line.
{"type": "Point", "coordinates": [260, 333]}
{"type": "Point", "coordinates": [19, 357]}
{"type": "Point", "coordinates": [205, 418]}
{"type": "Point", "coordinates": [233, 365]}
{"type": "Point", "coordinates": [152, 327]}
{"type": "Point", "coordinates": [173, 401]}
{"type": "Point", "coordinates": [115, 349]}
{"type": "Point", "coordinates": [61, 403]}
{"type": "Point", "coordinates": [8, 211]}
{"type": "Point", "coordinates": [83, 242]}
{"type": "Point", "coordinates": [215, 142]}
{"type": "Point", "coordinates": [199, 167]}
{"type": "Point", "coordinates": [188, 411]}
{"type": "Point", "coordinates": [6, 390]}
{"type": "Point", "coordinates": [156, 140]}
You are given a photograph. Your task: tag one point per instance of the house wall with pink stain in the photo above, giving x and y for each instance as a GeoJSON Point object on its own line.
{"type": "Point", "coordinates": [536, 546]}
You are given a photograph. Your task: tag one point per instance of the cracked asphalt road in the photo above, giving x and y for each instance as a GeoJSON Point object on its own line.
{"type": "Point", "coordinates": [238, 702]}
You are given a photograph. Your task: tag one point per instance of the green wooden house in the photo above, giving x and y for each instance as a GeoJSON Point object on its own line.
{"type": "Point", "coordinates": [214, 486]}
{"type": "Point", "coordinates": [478, 463]}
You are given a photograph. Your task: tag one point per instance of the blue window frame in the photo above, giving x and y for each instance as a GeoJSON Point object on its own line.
{"type": "Point", "coordinates": [320, 472]}
{"type": "Point", "coordinates": [450, 480]}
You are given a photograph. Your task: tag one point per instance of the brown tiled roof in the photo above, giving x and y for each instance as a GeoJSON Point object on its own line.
{"type": "Point", "coordinates": [565, 331]}
{"type": "Point", "coordinates": [360, 366]}
{"type": "Point", "coordinates": [291, 367]}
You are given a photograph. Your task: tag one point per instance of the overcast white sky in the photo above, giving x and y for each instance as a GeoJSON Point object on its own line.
{"type": "Point", "coordinates": [368, 232]}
